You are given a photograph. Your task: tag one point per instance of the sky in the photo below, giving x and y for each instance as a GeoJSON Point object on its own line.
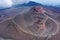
{"type": "Point", "coordinates": [48, 2]}
{"type": "Point", "coordinates": [9, 3]}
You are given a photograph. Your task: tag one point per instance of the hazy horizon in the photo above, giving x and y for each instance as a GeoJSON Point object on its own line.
{"type": "Point", "coordinates": [9, 3]}
{"type": "Point", "coordinates": [48, 2]}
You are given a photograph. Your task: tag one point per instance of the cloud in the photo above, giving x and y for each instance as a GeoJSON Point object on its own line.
{"type": "Point", "coordinates": [5, 3]}
{"type": "Point", "coordinates": [20, 1]}
{"type": "Point", "coordinates": [9, 3]}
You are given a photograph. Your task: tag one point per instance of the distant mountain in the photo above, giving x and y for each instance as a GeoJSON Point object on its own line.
{"type": "Point", "coordinates": [1, 9]}
{"type": "Point", "coordinates": [58, 6]}
{"type": "Point", "coordinates": [31, 3]}
{"type": "Point", "coordinates": [53, 8]}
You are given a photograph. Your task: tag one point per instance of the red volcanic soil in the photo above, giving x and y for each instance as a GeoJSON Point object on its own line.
{"type": "Point", "coordinates": [10, 30]}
